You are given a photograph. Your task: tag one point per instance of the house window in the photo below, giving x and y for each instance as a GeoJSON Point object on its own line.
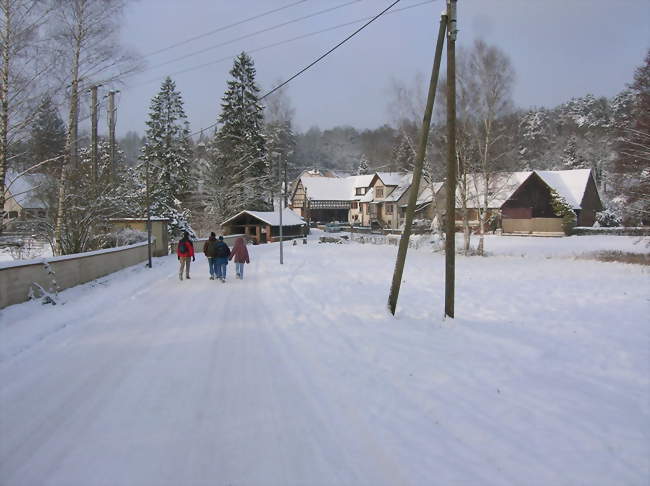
{"type": "Point", "coordinates": [360, 191]}
{"type": "Point", "coordinates": [379, 191]}
{"type": "Point", "coordinates": [389, 209]}
{"type": "Point", "coordinates": [13, 214]}
{"type": "Point", "coordinates": [354, 205]}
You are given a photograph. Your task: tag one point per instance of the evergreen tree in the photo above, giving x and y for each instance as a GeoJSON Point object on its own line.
{"type": "Point", "coordinates": [169, 153]}
{"type": "Point", "coordinates": [238, 154]}
{"type": "Point", "coordinates": [47, 134]}
{"type": "Point", "coordinates": [363, 168]}
{"type": "Point", "coordinates": [571, 159]}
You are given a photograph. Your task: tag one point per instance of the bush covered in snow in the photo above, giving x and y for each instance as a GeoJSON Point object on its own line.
{"type": "Point", "coordinates": [126, 236]}
{"type": "Point", "coordinates": [609, 218]}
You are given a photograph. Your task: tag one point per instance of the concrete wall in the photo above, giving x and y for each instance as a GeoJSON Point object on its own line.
{"type": "Point", "coordinates": [70, 270]}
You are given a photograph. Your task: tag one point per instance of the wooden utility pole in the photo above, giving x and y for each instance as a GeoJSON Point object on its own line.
{"type": "Point", "coordinates": [280, 205]}
{"type": "Point", "coordinates": [93, 134]}
{"type": "Point", "coordinates": [450, 238]}
{"type": "Point", "coordinates": [417, 171]}
{"type": "Point", "coordinates": [148, 200]}
{"type": "Point", "coordinates": [111, 129]}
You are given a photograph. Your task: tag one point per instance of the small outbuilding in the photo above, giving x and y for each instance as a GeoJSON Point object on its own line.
{"type": "Point", "coordinates": [264, 226]}
{"type": "Point", "coordinates": [528, 210]}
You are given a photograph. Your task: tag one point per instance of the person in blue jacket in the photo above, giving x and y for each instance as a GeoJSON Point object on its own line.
{"type": "Point", "coordinates": [222, 252]}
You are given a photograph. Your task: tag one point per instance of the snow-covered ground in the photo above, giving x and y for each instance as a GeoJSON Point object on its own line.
{"type": "Point", "coordinates": [29, 250]}
{"type": "Point", "coordinates": [299, 375]}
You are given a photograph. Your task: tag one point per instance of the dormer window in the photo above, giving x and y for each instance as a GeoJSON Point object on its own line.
{"type": "Point", "coordinates": [360, 191]}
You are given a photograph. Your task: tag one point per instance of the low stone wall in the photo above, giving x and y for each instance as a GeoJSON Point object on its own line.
{"type": "Point", "coordinates": [16, 278]}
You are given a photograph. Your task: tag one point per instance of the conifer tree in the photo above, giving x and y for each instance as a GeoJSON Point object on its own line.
{"type": "Point", "coordinates": [238, 153]}
{"type": "Point", "coordinates": [169, 153]}
{"type": "Point", "coordinates": [47, 134]}
{"type": "Point", "coordinates": [571, 159]}
{"type": "Point", "coordinates": [363, 168]}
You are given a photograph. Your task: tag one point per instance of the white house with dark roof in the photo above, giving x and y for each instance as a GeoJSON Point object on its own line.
{"type": "Point", "coordinates": [22, 197]}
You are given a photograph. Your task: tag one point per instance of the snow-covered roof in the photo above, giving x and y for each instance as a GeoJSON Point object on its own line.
{"type": "Point", "coordinates": [402, 186]}
{"type": "Point", "coordinates": [24, 189]}
{"type": "Point", "coordinates": [570, 184]}
{"type": "Point", "coordinates": [500, 187]}
{"type": "Point", "coordinates": [334, 188]}
{"type": "Point", "coordinates": [390, 178]}
{"type": "Point", "coordinates": [370, 195]}
{"type": "Point", "coordinates": [328, 188]}
{"type": "Point", "coordinates": [289, 218]}
{"type": "Point", "coordinates": [426, 196]}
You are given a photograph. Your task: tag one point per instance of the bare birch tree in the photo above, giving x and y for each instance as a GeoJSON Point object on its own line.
{"type": "Point", "coordinates": [21, 74]}
{"type": "Point", "coordinates": [490, 76]}
{"type": "Point", "coordinates": [86, 37]}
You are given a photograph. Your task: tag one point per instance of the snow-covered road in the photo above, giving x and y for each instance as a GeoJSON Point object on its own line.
{"type": "Point", "coordinates": [298, 375]}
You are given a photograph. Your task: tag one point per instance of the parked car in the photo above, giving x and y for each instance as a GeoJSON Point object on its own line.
{"type": "Point", "coordinates": [332, 228]}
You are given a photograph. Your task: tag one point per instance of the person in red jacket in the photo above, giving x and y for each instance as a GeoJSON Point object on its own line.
{"type": "Point", "coordinates": [240, 254]}
{"type": "Point", "coordinates": [185, 251]}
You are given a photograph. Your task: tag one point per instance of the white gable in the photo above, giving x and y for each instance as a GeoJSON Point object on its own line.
{"type": "Point", "coordinates": [570, 184]}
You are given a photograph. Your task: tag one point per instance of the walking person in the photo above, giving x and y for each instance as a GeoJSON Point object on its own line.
{"type": "Point", "coordinates": [240, 255]}
{"type": "Point", "coordinates": [222, 252]}
{"type": "Point", "coordinates": [185, 251]}
{"type": "Point", "coordinates": [210, 250]}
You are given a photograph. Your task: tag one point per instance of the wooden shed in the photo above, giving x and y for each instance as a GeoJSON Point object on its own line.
{"type": "Point", "coordinates": [528, 210]}
{"type": "Point", "coordinates": [264, 226]}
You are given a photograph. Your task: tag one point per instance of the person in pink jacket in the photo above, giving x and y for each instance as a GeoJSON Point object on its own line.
{"type": "Point", "coordinates": [239, 253]}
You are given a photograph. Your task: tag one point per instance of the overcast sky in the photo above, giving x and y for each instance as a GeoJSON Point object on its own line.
{"type": "Point", "coordinates": [559, 49]}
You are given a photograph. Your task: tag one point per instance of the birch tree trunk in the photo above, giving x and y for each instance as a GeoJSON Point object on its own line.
{"type": "Point", "coordinates": [4, 103]}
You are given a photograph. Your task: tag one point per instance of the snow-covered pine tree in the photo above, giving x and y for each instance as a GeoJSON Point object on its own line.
{"type": "Point", "coordinates": [571, 158]}
{"type": "Point", "coordinates": [562, 209]}
{"type": "Point", "coordinates": [169, 153]}
{"type": "Point", "coordinates": [363, 168]}
{"type": "Point", "coordinates": [238, 153]}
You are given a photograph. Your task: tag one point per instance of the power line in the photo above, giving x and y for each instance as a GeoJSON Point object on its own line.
{"type": "Point", "coordinates": [282, 42]}
{"type": "Point", "coordinates": [252, 34]}
{"type": "Point", "coordinates": [317, 60]}
{"type": "Point", "coordinates": [205, 34]}
{"type": "Point", "coordinates": [225, 27]}
{"type": "Point", "coordinates": [331, 50]}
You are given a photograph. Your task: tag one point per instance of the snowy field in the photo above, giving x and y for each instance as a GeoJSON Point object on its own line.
{"type": "Point", "coordinates": [299, 375]}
